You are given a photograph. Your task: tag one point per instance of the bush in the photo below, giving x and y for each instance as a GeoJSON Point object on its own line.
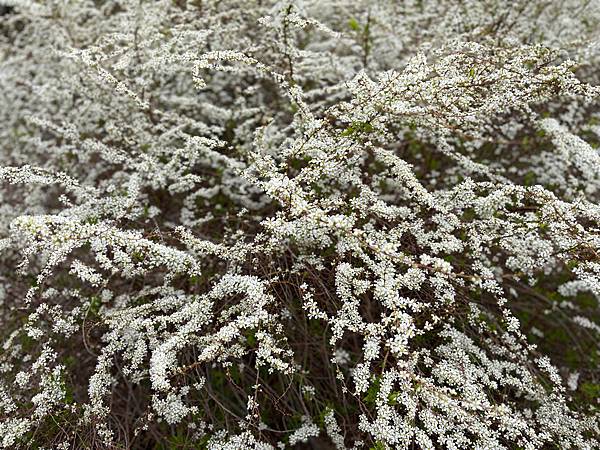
{"type": "Point", "coordinates": [299, 224]}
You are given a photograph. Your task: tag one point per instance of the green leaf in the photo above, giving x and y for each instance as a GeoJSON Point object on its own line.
{"type": "Point", "coordinates": [354, 25]}
{"type": "Point", "coordinates": [358, 127]}
{"type": "Point", "coordinates": [372, 392]}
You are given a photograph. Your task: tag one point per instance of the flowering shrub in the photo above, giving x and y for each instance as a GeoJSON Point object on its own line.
{"type": "Point", "coordinates": [299, 224]}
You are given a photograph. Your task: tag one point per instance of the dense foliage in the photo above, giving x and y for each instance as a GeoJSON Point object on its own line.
{"type": "Point", "coordinates": [318, 224]}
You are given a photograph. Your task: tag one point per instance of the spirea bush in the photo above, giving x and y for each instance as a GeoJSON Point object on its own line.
{"type": "Point", "coordinates": [311, 224]}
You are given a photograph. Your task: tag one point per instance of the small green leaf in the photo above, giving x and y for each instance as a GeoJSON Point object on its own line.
{"type": "Point", "coordinates": [354, 25]}
{"type": "Point", "coordinates": [358, 127]}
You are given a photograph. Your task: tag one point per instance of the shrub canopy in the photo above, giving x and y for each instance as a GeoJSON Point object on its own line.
{"type": "Point", "coordinates": [299, 224]}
